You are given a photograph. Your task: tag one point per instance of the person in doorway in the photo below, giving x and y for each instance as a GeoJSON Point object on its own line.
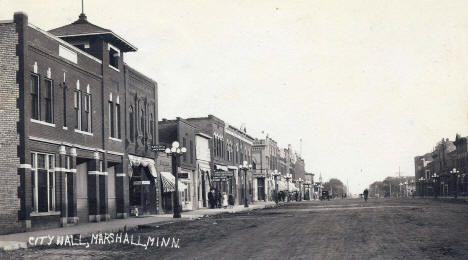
{"type": "Point", "coordinates": [366, 194]}
{"type": "Point", "coordinates": [218, 199]}
{"type": "Point", "coordinates": [211, 198]}
{"type": "Point", "coordinates": [231, 200]}
{"type": "Point", "coordinates": [225, 200]}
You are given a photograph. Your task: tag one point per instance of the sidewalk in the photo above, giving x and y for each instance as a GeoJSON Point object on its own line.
{"type": "Point", "coordinates": [20, 240]}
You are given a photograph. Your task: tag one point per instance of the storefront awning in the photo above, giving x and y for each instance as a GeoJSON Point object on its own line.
{"type": "Point", "coordinates": [168, 181]}
{"type": "Point", "coordinates": [282, 185]}
{"type": "Point", "coordinates": [204, 166]}
{"type": "Point", "coordinates": [145, 162]}
{"type": "Point", "coordinates": [221, 167]}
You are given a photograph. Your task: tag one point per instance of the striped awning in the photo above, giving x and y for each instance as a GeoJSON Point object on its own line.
{"type": "Point", "coordinates": [282, 185]}
{"type": "Point", "coordinates": [168, 181]}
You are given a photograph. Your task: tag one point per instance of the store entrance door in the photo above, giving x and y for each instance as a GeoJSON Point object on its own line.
{"type": "Point", "coordinates": [261, 188]}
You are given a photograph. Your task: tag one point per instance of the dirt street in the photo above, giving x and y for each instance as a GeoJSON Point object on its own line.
{"type": "Point", "coordinates": [340, 229]}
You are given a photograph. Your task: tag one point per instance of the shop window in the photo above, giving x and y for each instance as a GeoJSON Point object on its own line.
{"type": "Point", "coordinates": [35, 100]}
{"type": "Point", "coordinates": [43, 182]}
{"type": "Point", "coordinates": [49, 102]}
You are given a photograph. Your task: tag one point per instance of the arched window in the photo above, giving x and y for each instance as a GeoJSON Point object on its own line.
{"type": "Point", "coordinates": [131, 119]}
{"type": "Point", "coordinates": [151, 125]}
{"type": "Point", "coordinates": [142, 122]}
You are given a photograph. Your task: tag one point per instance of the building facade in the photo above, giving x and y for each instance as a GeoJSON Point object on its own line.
{"type": "Point", "coordinates": [68, 126]}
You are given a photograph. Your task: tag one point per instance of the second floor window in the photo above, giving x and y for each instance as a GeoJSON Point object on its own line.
{"type": "Point", "coordinates": [64, 93]}
{"type": "Point", "coordinates": [142, 122]}
{"type": "Point", "coordinates": [77, 108]}
{"type": "Point", "coordinates": [35, 100]}
{"type": "Point", "coordinates": [117, 120]}
{"type": "Point", "coordinates": [131, 122]}
{"type": "Point", "coordinates": [83, 107]}
{"type": "Point", "coordinates": [184, 144]}
{"type": "Point", "coordinates": [49, 102]}
{"type": "Point", "coordinates": [111, 119]}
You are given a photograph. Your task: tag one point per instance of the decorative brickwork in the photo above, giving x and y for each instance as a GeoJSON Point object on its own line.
{"type": "Point", "coordinates": [9, 138]}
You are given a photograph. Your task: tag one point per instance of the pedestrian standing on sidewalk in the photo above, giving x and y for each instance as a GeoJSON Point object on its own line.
{"type": "Point", "coordinates": [225, 200]}
{"type": "Point", "coordinates": [218, 199]}
{"type": "Point", "coordinates": [211, 198]}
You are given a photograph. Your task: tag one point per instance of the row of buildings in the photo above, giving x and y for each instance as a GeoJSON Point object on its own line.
{"type": "Point", "coordinates": [78, 126]}
{"type": "Point", "coordinates": [443, 172]}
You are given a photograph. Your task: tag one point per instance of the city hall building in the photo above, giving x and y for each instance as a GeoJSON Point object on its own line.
{"type": "Point", "coordinates": [76, 127]}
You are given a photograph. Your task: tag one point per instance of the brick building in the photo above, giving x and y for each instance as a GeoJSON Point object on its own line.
{"type": "Point", "coordinates": [182, 131]}
{"type": "Point", "coordinates": [229, 147]}
{"type": "Point", "coordinates": [266, 159]}
{"type": "Point", "coordinates": [76, 127]}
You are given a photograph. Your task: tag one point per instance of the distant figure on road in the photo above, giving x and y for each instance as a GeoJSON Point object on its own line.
{"type": "Point", "coordinates": [366, 194]}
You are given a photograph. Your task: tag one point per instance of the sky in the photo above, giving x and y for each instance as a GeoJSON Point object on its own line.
{"type": "Point", "coordinates": [366, 85]}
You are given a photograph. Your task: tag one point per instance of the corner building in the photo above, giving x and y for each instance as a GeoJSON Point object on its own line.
{"type": "Point", "coordinates": [76, 127]}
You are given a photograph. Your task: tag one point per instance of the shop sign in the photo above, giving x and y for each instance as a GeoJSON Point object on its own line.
{"type": "Point", "coordinates": [258, 174]}
{"type": "Point", "coordinates": [141, 182]}
{"type": "Point", "coordinates": [158, 147]}
{"type": "Point", "coordinates": [220, 179]}
{"type": "Point", "coordinates": [183, 175]}
{"type": "Point", "coordinates": [222, 174]}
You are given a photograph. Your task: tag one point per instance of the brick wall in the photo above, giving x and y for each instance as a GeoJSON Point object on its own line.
{"type": "Point", "coordinates": [9, 138]}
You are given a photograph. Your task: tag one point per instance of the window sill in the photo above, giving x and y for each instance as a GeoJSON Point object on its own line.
{"type": "Point", "coordinates": [83, 132]}
{"type": "Point", "coordinates": [114, 68]}
{"type": "Point", "coordinates": [50, 213]}
{"type": "Point", "coordinates": [65, 128]}
{"type": "Point", "coordinates": [115, 139]}
{"type": "Point", "coordinates": [42, 122]}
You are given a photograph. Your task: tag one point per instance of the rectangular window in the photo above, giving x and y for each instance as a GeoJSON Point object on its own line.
{"type": "Point", "coordinates": [49, 102]}
{"type": "Point", "coordinates": [35, 100]}
{"type": "Point", "coordinates": [117, 121]}
{"type": "Point", "coordinates": [43, 181]}
{"type": "Point", "coordinates": [191, 151]}
{"type": "Point", "coordinates": [111, 119]}
{"type": "Point", "coordinates": [114, 55]}
{"type": "Point", "coordinates": [184, 144]}
{"type": "Point", "coordinates": [64, 93]}
{"type": "Point", "coordinates": [77, 106]}
{"type": "Point", "coordinates": [85, 115]}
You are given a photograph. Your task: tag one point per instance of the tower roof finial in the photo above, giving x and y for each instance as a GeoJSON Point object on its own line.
{"type": "Point", "coordinates": [82, 16]}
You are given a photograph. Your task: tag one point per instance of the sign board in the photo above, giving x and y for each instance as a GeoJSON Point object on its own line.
{"type": "Point", "coordinates": [259, 174]}
{"type": "Point", "coordinates": [220, 178]}
{"type": "Point", "coordinates": [158, 147]}
{"type": "Point", "coordinates": [183, 175]}
{"type": "Point", "coordinates": [222, 174]}
{"type": "Point", "coordinates": [141, 182]}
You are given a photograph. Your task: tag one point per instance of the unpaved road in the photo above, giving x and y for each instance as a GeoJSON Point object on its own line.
{"type": "Point", "coordinates": [340, 229]}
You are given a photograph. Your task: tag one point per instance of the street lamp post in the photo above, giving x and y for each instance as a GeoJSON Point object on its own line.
{"type": "Point", "coordinates": [455, 172]}
{"type": "Point", "coordinates": [245, 167]}
{"type": "Point", "coordinates": [275, 174]}
{"type": "Point", "coordinates": [434, 182]}
{"type": "Point", "coordinates": [288, 177]}
{"type": "Point", "coordinates": [175, 152]}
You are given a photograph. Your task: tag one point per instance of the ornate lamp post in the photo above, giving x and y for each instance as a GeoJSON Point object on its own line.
{"type": "Point", "coordinates": [300, 188]}
{"type": "Point", "coordinates": [288, 177]}
{"type": "Point", "coordinates": [275, 174]}
{"type": "Point", "coordinates": [245, 167]}
{"type": "Point", "coordinates": [434, 183]}
{"type": "Point", "coordinates": [175, 152]}
{"type": "Point", "coordinates": [456, 173]}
